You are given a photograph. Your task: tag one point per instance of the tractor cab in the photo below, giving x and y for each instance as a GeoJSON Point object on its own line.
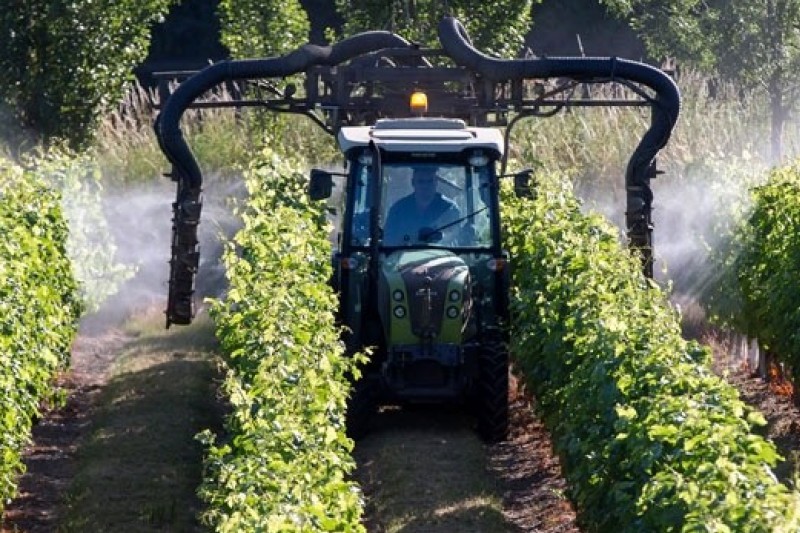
{"type": "Point", "coordinates": [435, 184]}
{"type": "Point", "coordinates": [420, 271]}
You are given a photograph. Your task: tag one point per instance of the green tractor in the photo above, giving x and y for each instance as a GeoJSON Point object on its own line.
{"type": "Point", "coordinates": [419, 266]}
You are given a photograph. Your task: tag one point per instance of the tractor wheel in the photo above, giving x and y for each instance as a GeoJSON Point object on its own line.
{"type": "Point", "coordinates": [491, 399]}
{"type": "Point", "coordinates": [360, 406]}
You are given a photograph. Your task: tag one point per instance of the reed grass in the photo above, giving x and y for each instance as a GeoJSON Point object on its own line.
{"type": "Point", "coordinates": [222, 139]}
{"type": "Point", "coordinates": [127, 149]}
{"type": "Point", "coordinates": [594, 144]}
{"type": "Point", "coordinates": [719, 134]}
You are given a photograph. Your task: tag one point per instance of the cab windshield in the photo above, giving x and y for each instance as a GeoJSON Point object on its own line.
{"type": "Point", "coordinates": [425, 204]}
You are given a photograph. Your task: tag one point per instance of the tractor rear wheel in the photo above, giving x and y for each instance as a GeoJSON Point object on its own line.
{"type": "Point", "coordinates": [491, 399]}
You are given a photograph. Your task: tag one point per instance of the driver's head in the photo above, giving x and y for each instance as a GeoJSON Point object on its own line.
{"type": "Point", "coordinates": [424, 182]}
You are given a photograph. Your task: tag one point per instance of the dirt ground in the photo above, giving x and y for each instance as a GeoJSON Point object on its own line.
{"type": "Point", "coordinates": [50, 464]}
{"type": "Point", "coordinates": [523, 471]}
{"type": "Point", "coordinates": [783, 419]}
{"type": "Point", "coordinates": [534, 491]}
{"type": "Point", "coordinates": [50, 460]}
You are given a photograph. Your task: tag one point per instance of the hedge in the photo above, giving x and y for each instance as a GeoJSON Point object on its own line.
{"type": "Point", "coordinates": [284, 462]}
{"type": "Point", "coordinates": [651, 439]}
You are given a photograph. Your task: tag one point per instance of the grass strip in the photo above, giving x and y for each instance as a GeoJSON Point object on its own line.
{"type": "Point", "coordinates": [139, 466]}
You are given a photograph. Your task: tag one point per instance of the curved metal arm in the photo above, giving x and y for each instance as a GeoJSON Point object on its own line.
{"type": "Point", "coordinates": [641, 166]}
{"type": "Point", "coordinates": [185, 256]}
{"type": "Point", "coordinates": [167, 123]}
{"type": "Point", "coordinates": [361, 51]}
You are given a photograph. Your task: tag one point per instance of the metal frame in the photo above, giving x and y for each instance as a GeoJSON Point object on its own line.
{"type": "Point", "coordinates": [357, 94]}
{"type": "Point", "coordinates": [371, 76]}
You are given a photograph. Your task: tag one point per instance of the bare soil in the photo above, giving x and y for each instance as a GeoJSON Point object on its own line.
{"type": "Point", "coordinates": [50, 464]}
{"type": "Point", "coordinates": [783, 419]}
{"type": "Point", "coordinates": [534, 491]}
{"type": "Point", "coordinates": [421, 470]}
{"type": "Point", "coordinates": [50, 459]}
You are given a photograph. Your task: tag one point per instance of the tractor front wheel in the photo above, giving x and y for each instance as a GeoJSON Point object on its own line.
{"type": "Point", "coordinates": [491, 399]}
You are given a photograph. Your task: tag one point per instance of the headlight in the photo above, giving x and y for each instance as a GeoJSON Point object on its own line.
{"type": "Point", "coordinates": [496, 265]}
{"type": "Point", "coordinates": [455, 295]}
{"type": "Point", "coordinates": [349, 263]}
{"type": "Point", "coordinates": [452, 311]}
{"type": "Point", "coordinates": [399, 311]}
{"type": "Point", "coordinates": [398, 295]}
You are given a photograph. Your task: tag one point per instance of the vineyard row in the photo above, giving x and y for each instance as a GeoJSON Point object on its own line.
{"type": "Point", "coordinates": [650, 438]}
{"type": "Point", "coordinates": [39, 309]}
{"type": "Point", "coordinates": [758, 292]}
{"type": "Point", "coordinates": [284, 461]}
{"type": "Point", "coordinates": [56, 261]}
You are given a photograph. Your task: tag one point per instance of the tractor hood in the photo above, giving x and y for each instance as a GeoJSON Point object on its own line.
{"type": "Point", "coordinates": [425, 296]}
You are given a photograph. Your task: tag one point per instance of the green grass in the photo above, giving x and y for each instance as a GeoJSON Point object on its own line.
{"type": "Point", "coordinates": [427, 472]}
{"type": "Point", "coordinates": [140, 465]}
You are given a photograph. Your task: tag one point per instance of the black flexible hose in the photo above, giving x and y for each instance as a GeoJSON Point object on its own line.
{"type": "Point", "coordinates": [641, 166]}
{"type": "Point", "coordinates": [185, 256]}
{"type": "Point", "coordinates": [186, 172]}
{"type": "Point", "coordinates": [167, 125]}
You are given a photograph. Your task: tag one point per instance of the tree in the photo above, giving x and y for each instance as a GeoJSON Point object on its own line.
{"type": "Point", "coordinates": [494, 27]}
{"type": "Point", "coordinates": [262, 28]}
{"type": "Point", "coordinates": [754, 43]}
{"type": "Point", "coordinates": [65, 61]}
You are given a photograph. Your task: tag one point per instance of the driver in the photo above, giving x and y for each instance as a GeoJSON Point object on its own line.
{"type": "Point", "coordinates": [424, 208]}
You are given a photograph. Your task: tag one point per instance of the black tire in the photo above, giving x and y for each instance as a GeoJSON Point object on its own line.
{"type": "Point", "coordinates": [360, 406]}
{"type": "Point", "coordinates": [491, 398]}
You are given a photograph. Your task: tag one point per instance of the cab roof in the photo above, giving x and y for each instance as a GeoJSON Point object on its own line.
{"type": "Point", "coordinates": [422, 134]}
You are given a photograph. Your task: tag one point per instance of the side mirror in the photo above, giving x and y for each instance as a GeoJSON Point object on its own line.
{"type": "Point", "coordinates": [522, 183]}
{"type": "Point", "coordinates": [320, 186]}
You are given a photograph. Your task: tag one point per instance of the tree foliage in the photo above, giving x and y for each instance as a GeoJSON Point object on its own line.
{"type": "Point", "coordinates": [266, 28]}
{"type": "Point", "coordinates": [64, 62]}
{"type": "Point", "coordinates": [743, 41]}
{"type": "Point", "coordinates": [755, 43]}
{"type": "Point", "coordinates": [494, 27]}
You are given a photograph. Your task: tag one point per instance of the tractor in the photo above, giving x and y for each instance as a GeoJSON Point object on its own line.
{"type": "Point", "coordinates": [419, 268]}
{"type": "Point", "coordinates": [422, 278]}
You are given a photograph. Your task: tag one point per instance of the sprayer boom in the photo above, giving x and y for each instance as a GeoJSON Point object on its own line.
{"type": "Point", "coordinates": [371, 76]}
